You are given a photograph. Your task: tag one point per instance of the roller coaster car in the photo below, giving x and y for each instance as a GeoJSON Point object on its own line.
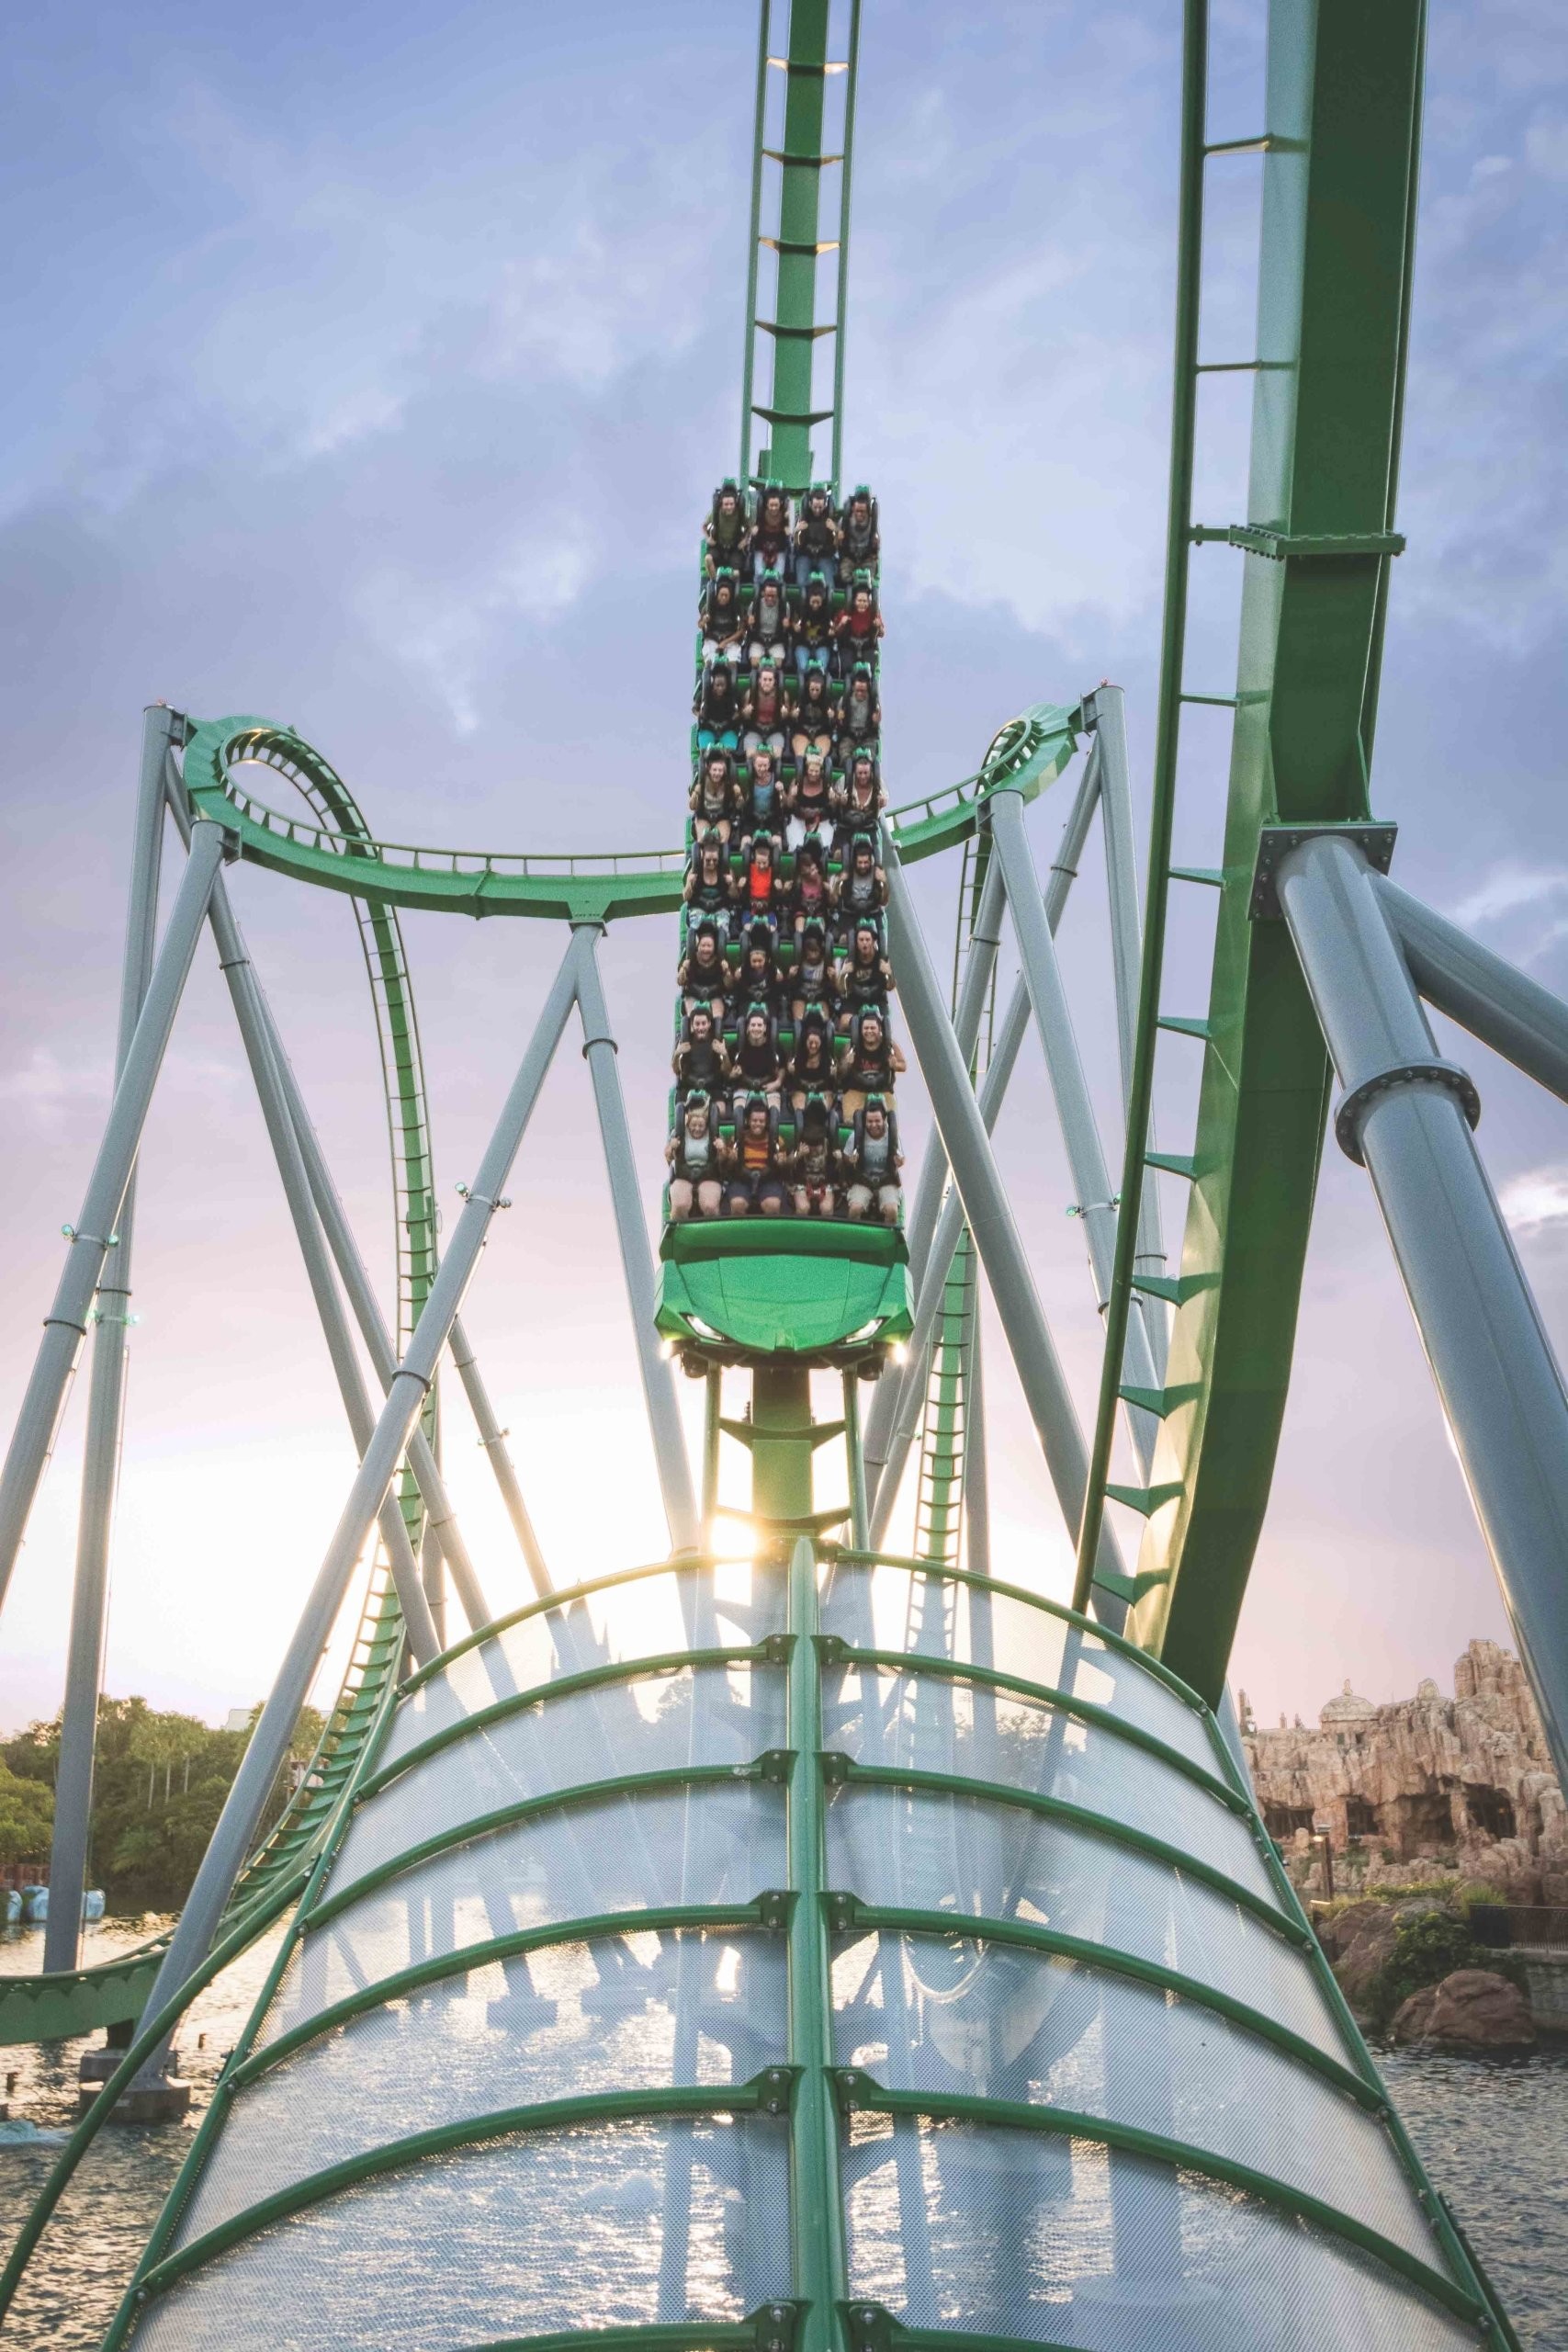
{"type": "Point", "coordinates": [818, 1289]}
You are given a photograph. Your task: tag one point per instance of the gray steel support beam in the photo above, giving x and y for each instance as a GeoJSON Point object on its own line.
{"type": "Point", "coordinates": [419, 1624]}
{"type": "Point", "coordinates": [859, 1529]}
{"type": "Point", "coordinates": [1406, 1113]}
{"type": "Point", "coordinates": [106, 1405]}
{"type": "Point", "coordinates": [65, 1325]}
{"type": "Point", "coordinates": [968, 1148]}
{"type": "Point", "coordinates": [1126, 964]}
{"type": "Point", "coordinates": [1491, 997]}
{"type": "Point", "coordinates": [890, 1407]}
{"type": "Point", "coordinates": [492, 1438]}
{"type": "Point", "coordinates": [259, 1033]}
{"type": "Point", "coordinates": [1075, 1112]}
{"type": "Point", "coordinates": [976, 1467]}
{"type": "Point", "coordinates": [268, 1745]}
{"type": "Point", "coordinates": [599, 1051]}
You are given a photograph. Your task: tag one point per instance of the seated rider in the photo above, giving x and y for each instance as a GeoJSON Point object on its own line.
{"type": "Point", "coordinates": [872, 1160]}
{"type": "Point", "coordinates": [816, 1160]}
{"type": "Point", "coordinates": [813, 639]}
{"type": "Point", "coordinates": [865, 976]}
{"type": "Point", "coordinates": [811, 796]}
{"type": "Point", "coordinates": [858, 802]}
{"type": "Point", "coordinates": [762, 798]}
{"type": "Point", "coordinates": [861, 888]}
{"type": "Point", "coordinates": [811, 1067]}
{"type": "Point", "coordinates": [766, 710]}
{"type": "Point", "coordinates": [722, 616]}
{"type": "Point", "coordinates": [770, 536]}
{"type": "Point", "coordinates": [812, 974]}
{"type": "Point", "coordinates": [768, 637]}
{"type": "Point", "coordinates": [726, 534]}
{"type": "Point", "coordinates": [869, 1063]}
{"type": "Point", "coordinates": [860, 712]}
{"type": "Point", "coordinates": [860, 625]}
{"type": "Point", "coordinates": [815, 536]}
{"type": "Point", "coordinates": [696, 1184]}
{"type": "Point", "coordinates": [701, 1061]}
{"type": "Point", "coordinates": [761, 892]}
{"type": "Point", "coordinates": [715, 798]}
{"type": "Point", "coordinates": [707, 888]}
{"type": "Point", "coordinates": [860, 548]}
{"type": "Point", "coordinates": [757, 1065]}
{"type": "Point", "coordinates": [811, 899]}
{"type": "Point", "coordinates": [703, 974]}
{"type": "Point", "coordinates": [717, 703]}
{"type": "Point", "coordinates": [755, 1181]}
{"type": "Point", "coordinates": [758, 982]}
{"type": "Point", "coordinates": [815, 717]}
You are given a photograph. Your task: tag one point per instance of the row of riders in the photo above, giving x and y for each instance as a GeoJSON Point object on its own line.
{"type": "Point", "coordinates": [785, 1061]}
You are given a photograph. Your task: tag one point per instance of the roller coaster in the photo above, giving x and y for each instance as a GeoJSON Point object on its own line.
{"type": "Point", "coordinates": [787, 1944]}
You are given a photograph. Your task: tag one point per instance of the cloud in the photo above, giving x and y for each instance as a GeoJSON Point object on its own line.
{"type": "Point", "coordinates": [43, 1091]}
{"type": "Point", "coordinates": [1507, 887]}
{"type": "Point", "coordinates": [1536, 1200]}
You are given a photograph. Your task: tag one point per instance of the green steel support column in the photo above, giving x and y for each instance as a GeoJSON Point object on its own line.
{"type": "Point", "coordinates": [781, 1495]}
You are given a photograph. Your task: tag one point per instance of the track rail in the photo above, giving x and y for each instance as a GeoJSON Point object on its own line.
{"type": "Point", "coordinates": [66, 2003]}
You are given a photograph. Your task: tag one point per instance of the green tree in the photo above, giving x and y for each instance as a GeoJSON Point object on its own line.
{"type": "Point", "coordinates": [159, 1787]}
{"type": "Point", "coordinates": [27, 1817]}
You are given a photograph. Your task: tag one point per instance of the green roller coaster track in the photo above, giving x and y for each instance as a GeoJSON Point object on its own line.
{"type": "Point", "coordinates": [941, 1903]}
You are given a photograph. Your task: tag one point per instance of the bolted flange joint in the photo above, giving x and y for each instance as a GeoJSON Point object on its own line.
{"type": "Point", "coordinates": [1350, 1111]}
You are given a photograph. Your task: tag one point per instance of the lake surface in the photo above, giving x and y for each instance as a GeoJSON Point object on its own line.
{"type": "Point", "coordinates": [1493, 2133]}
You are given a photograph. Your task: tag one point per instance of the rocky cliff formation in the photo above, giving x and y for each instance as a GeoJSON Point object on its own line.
{"type": "Point", "coordinates": [1422, 1787]}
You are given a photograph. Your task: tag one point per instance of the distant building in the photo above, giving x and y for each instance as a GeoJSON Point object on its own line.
{"type": "Point", "coordinates": [1463, 1785]}
{"type": "Point", "coordinates": [239, 1719]}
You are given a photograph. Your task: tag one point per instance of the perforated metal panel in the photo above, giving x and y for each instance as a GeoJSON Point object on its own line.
{"type": "Point", "coordinates": [1063, 2241]}
{"type": "Point", "coordinates": [905, 1610]}
{"type": "Point", "coordinates": [518, 2236]}
{"type": "Point", "coordinates": [639, 2012]}
{"type": "Point", "coordinates": [713, 1714]}
{"type": "Point", "coordinates": [992, 2022]}
{"type": "Point", "coordinates": [906, 1851]}
{"type": "Point", "coordinates": [926, 1722]}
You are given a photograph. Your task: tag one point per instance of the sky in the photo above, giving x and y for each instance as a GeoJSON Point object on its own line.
{"type": "Point", "coordinates": [370, 370]}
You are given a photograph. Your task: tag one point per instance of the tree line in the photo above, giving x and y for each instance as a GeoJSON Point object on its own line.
{"type": "Point", "coordinates": [158, 1789]}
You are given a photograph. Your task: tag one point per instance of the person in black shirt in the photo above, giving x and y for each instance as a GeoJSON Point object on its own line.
{"type": "Point", "coordinates": [815, 536]}
{"type": "Point", "coordinates": [701, 1061]}
{"type": "Point", "coordinates": [869, 1063]}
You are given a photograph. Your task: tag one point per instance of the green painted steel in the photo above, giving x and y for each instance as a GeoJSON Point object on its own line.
{"type": "Point", "coordinates": [1339, 185]}
{"type": "Point", "coordinates": [1031, 752]}
{"type": "Point", "coordinates": [63, 2006]}
{"type": "Point", "coordinates": [820, 1290]}
{"type": "Point", "coordinates": [793, 238]}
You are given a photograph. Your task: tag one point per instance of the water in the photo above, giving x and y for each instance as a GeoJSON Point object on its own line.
{"type": "Point", "coordinates": [1492, 2133]}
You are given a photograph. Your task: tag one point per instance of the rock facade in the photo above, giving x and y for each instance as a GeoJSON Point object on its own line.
{"type": "Point", "coordinates": [1421, 1787]}
{"type": "Point", "coordinates": [1472, 2009]}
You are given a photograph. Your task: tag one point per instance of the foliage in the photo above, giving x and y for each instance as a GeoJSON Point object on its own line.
{"type": "Point", "coordinates": [159, 1786]}
{"type": "Point", "coordinates": [1429, 1946]}
{"type": "Point", "coordinates": [27, 1816]}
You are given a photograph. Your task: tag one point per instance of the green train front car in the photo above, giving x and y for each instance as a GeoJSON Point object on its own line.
{"type": "Point", "coordinates": [823, 1293]}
